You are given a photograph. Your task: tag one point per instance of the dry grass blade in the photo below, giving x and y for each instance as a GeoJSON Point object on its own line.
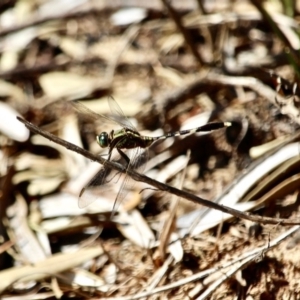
{"type": "Point", "coordinates": [204, 220]}
{"type": "Point", "coordinates": [49, 267]}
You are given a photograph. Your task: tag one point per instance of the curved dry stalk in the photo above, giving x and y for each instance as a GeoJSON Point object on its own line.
{"type": "Point", "coordinates": [161, 186]}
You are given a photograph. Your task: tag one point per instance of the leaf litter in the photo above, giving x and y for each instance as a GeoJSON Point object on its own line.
{"type": "Point", "coordinates": [168, 68]}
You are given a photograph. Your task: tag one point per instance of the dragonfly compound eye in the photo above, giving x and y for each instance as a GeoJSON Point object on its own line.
{"type": "Point", "coordinates": [102, 140]}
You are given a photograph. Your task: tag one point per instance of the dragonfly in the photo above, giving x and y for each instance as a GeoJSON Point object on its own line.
{"type": "Point", "coordinates": [126, 138]}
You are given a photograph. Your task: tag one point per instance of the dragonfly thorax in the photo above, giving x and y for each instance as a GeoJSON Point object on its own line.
{"type": "Point", "coordinates": [103, 139]}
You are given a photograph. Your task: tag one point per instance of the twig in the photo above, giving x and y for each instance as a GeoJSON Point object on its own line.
{"type": "Point", "coordinates": [22, 71]}
{"type": "Point", "coordinates": [187, 37]}
{"type": "Point", "coordinates": [35, 21]}
{"type": "Point", "coordinates": [289, 50]}
{"type": "Point", "coordinates": [102, 8]}
{"type": "Point", "coordinates": [161, 186]}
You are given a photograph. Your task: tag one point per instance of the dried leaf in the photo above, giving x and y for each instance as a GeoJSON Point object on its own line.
{"type": "Point", "coordinates": [9, 124]}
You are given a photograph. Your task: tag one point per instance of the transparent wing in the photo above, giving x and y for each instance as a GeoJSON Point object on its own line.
{"type": "Point", "coordinates": [89, 114]}
{"type": "Point", "coordinates": [138, 161]}
{"type": "Point", "coordinates": [87, 196]}
{"type": "Point", "coordinates": [118, 115]}
{"type": "Point", "coordinates": [138, 157]}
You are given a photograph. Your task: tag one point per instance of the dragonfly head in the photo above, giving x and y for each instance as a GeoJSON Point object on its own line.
{"type": "Point", "coordinates": [103, 139]}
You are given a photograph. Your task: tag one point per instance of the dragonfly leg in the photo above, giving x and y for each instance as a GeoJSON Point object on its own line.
{"type": "Point", "coordinates": [124, 156]}
{"type": "Point", "coordinates": [109, 155]}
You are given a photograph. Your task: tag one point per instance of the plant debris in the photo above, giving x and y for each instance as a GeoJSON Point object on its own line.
{"type": "Point", "coordinates": [212, 215]}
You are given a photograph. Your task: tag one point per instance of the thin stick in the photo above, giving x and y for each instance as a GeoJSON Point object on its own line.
{"type": "Point", "coordinates": [186, 34]}
{"type": "Point", "coordinates": [161, 186]}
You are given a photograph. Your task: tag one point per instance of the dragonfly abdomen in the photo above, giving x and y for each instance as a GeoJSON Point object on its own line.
{"type": "Point", "coordinates": [206, 127]}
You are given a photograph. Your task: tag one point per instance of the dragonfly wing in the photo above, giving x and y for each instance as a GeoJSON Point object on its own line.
{"type": "Point", "coordinates": [88, 195]}
{"type": "Point", "coordinates": [138, 158]}
{"type": "Point", "coordinates": [90, 115]}
{"type": "Point", "coordinates": [118, 115]}
{"type": "Point", "coordinates": [117, 118]}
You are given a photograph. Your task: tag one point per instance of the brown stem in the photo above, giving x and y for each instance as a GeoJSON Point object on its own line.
{"type": "Point", "coordinates": [161, 186]}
